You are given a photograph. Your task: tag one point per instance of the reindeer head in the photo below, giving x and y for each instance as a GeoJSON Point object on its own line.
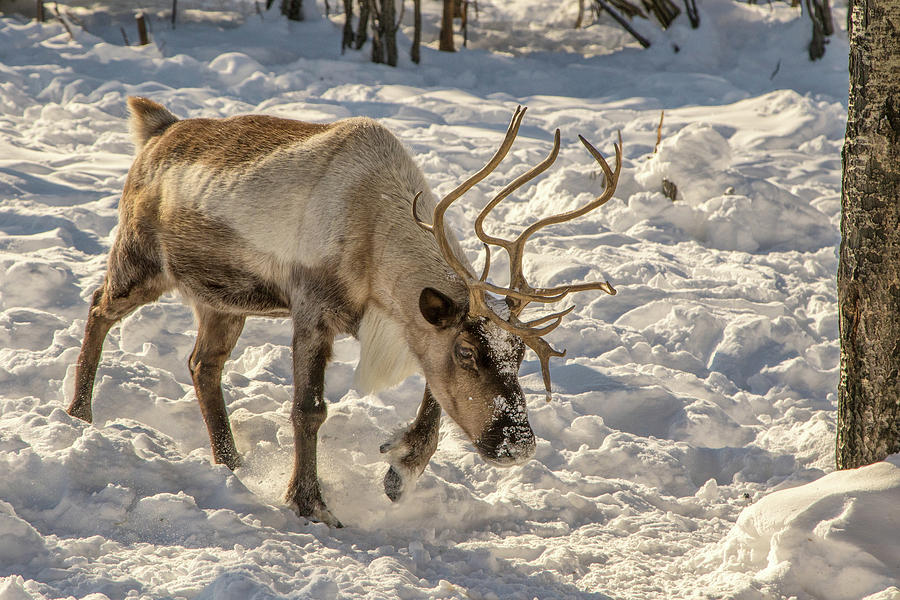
{"type": "Point", "coordinates": [476, 381]}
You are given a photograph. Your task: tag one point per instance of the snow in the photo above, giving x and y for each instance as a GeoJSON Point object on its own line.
{"type": "Point", "coordinates": [688, 451]}
{"type": "Point", "coordinates": [794, 537]}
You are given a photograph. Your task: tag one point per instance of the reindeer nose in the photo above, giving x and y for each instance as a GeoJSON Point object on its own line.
{"type": "Point", "coordinates": [507, 443]}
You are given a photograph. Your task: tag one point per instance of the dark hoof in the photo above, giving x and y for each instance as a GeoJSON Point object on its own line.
{"type": "Point", "coordinates": [333, 522]}
{"type": "Point", "coordinates": [81, 412]}
{"type": "Point", "coordinates": [232, 461]}
{"type": "Point", "coordinates": [393, 484]}
{"type": "Point", "coordinates": [320, 514]}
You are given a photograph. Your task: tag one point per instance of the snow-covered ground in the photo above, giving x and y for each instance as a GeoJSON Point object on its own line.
{"type": "Point", "coordinates": [690, 410]}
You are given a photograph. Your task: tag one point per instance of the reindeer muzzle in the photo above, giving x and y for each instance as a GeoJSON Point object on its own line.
{"type": "Point", "coordinates": [506, 443]}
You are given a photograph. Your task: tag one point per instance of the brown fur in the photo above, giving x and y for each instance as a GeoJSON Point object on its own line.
{"type": "Point", "coordinates": [148, 119]}
{"type": "Point", "coordinates": [206, 259]}
{"type": "Point", "coordinates": [230, 143]}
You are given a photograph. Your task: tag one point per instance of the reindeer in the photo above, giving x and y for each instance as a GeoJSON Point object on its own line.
{"type": "Point", "coordinates": [261, 216]}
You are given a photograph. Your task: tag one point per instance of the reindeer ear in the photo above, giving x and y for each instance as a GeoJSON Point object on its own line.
{"type": "Point", "coordinates": [437, 308]}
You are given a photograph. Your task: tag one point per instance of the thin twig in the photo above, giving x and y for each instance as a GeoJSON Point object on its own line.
{"type": "Point", "coordinates": [693, 14]}
{"type": "Point", "coordinates": [75, 20]}
{"type": "Point", "coordinates": [662, 113]}
{"type": "Point", "coordinates": [625, 25]}
{"type": "Point", "coordinates": [63, 21]}
{"type": "Point", "coordinates": [124, 36]}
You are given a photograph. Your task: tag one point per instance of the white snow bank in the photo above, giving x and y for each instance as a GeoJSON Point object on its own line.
{"type": "Point", "coordinates": [836, 538]}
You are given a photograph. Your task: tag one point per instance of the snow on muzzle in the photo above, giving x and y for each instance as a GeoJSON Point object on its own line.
{"type": "Point", "coordinates": [508, 440]}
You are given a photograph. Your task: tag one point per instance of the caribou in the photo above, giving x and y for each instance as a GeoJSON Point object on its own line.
{"type": "Point", "coordinates": [325, 224]}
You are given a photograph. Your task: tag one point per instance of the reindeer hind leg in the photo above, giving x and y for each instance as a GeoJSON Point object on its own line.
{"type": "Point", "coordinates": [133, 278]}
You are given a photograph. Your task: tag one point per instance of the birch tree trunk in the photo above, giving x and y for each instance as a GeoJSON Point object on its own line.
{"type": "Point", "coordinates": [868, 426]}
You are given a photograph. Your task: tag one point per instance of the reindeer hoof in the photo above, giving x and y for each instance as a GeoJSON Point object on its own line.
{"type": "Point", "coordinates": [318, 513]}
{"type": "Point", "coordinates": [81, 411]}
{"type": "Point", "coordinates": [323, 515]}
{"type": "Point", "coordinates": [232, 460]}
{"type": "Point", "coordinates": [393, 484]}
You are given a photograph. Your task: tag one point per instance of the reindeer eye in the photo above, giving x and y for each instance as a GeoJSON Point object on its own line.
{"type": "Point", "coordinates": [465, 355]}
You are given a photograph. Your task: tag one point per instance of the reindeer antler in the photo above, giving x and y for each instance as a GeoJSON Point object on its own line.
{"type": "Point", "coordinates": [520, 293]}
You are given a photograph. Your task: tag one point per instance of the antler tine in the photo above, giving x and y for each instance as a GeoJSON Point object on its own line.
{"type": "Point", "coordinates": [612, 180]}
{"type": "Point", "coordinates": [516, 248]}
{"type": "Point", "coordinates": [511, 132]}
{"type": "Point", "coordinates": [509, 189]}
{"type": "Point", "coordinates": [544, 351]}
{"type": "Point", "coordinates": [565, 290]}
{"type": "Point", "coordinates": [437, 223]}
{"type": "Point", "coordinates": [525, 296]}
{"type": "Point", "coordinates": [487, 264]}
{"type": "Point", "coordinates": [415, 215]}
{"type": "Point", "coordinates": [557, 315]}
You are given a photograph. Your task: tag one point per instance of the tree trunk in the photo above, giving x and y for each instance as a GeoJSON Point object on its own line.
{"type": "Point", "coordinates": [819, 12]}
{"type": "Point", "coordinates": [389, 31]}
{"type": "Point", "coordinates": [363, 26]}
{"type": "Point", "coordinates": [292, 9]}
{"type": "Point", "coordinates": [463, 14]}
{"type": "Point", "coordinates": [446, 43]}
{"type": "Point", "coordinates": [417, 31]}
{"type": "Point", "coordinates": [142, 29]}
{"type": "Point", "coordinates": [868, 427]}
{"type": "Point", "coordinates": [377, 32]}
{"type": "Point", "coordinates": [347, 39]}
{"type": "Point", "coordinates": [827, 20]}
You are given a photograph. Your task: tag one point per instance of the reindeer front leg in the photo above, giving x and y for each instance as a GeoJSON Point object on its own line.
{"type": "Point", "coordinates": [311, 350]}
{"type": "Point", "coordinates": [411, 449]}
